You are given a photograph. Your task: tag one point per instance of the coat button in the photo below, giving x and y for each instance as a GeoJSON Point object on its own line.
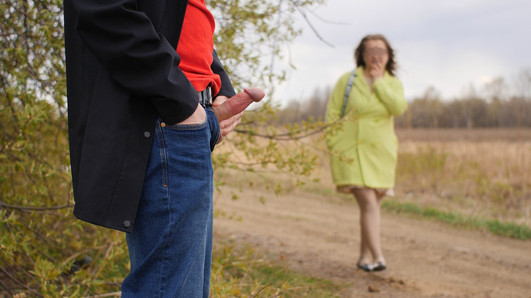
{"type": "Point", "coordinates": [127, 224]}
{"type": "Point", "coordinates": [147, 134]}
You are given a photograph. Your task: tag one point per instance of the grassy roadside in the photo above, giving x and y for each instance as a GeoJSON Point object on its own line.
{"type": "Point", "coordinates": [244, 273]}
{"type": "Point", "coordinates": [459, 178]}
{"type": "Point", "coordinates": [496, 227]}
{"type": "Point", "coordinates": [503, 227]}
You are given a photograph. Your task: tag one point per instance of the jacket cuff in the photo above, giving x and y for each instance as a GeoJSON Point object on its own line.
{"type": "Point", "coordinates": [172, 112]}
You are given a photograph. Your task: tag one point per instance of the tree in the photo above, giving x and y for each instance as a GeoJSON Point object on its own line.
{"type": "Point", "coordinates": [523, 84]}
{"type": "Point", "coordinates": [35, 181]}
{"type": "Point", "coordinates": [309, 109]}
{"type": "Point", "coordinates": [424, 111]}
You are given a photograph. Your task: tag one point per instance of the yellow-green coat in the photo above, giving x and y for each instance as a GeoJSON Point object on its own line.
{"type": "Point", "coordinates": [364, 146]}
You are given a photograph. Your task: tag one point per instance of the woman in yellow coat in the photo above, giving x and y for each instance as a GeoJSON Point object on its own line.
{"type": "Point", "coordinates": [364, 146]}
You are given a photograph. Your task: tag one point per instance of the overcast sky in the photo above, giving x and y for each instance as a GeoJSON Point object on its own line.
{"type": "Point", "coordinates": [445, 44]}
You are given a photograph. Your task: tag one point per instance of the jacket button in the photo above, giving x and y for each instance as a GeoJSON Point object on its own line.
{"type": "Point", "coordinates": [127, 224]}
{"type": "Point", "coordinates": [147, 134]}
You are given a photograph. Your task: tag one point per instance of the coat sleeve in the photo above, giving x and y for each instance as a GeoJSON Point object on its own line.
{"type": "Point", "coordinates": [226, 84]}
{"type": "Point", "coordinates": [135, 55]}
{"type": "Point", "coordinates": [390, 92]}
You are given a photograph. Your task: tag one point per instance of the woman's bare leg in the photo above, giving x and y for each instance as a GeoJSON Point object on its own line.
{"type": "Point", "coordinates": [369, 204]}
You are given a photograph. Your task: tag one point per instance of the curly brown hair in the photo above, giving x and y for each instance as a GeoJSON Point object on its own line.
{"type": "Point", "coordinates": [358, 52]}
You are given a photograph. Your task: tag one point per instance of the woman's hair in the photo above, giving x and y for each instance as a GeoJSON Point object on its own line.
{"type": "Point", "coordinates": [358, 53]}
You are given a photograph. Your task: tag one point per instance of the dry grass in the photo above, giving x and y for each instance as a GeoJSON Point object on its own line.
{"type": "Point", "coordinates": [468, 135]}
{"type": "Point", "coordinates": [483, 173]}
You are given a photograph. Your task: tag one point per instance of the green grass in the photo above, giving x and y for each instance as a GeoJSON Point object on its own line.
{"type": "Point", "coordinates": [246, 274]}
{"type": "Point", "coordinates": [496, 227]}
{"type": "Point", "coordinates": [293, 284]}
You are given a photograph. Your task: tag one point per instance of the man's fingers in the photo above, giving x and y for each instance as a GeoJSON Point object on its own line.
{"type": "Point", "coordinates": [228, 125]}
{"type": "Point", "coordinates": [219, 100]}
{"type": "Point", "coordinates": [228, 122]}
{"type": "Point", "coordinates": [238, 103]}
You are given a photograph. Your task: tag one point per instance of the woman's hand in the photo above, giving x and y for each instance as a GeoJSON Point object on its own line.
{"type": "Point", "coordinates": [376, 71]}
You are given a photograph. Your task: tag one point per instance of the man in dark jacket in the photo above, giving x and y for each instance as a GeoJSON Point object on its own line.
{"type": "Point", "coordinates": [142, 124]}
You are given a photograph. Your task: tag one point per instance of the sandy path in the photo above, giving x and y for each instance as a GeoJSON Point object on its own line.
{"type": "Point", "coordinates": [318, 235]}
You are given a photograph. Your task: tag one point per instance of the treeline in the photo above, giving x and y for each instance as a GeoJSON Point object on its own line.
{"type": "Point", "coordinates": [496, 105]}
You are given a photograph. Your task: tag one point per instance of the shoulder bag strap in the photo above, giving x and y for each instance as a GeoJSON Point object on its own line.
{"type": "Point", "coordinates": [347, 92]}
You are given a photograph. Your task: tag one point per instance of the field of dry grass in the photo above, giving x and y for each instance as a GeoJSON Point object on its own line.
{"type": "Point", "coordinates": [484, 173]}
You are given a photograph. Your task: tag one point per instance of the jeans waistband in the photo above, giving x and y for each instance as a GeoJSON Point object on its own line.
{"type": "Point", "coordinates": [205, 97]}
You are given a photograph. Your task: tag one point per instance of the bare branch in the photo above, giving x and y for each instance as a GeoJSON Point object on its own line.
{"type": "Point", "coordinates": [303, 14]}
{"type": "Point", "coordinates": [28, 209]}
{"type": "Point", "coordinates": [263, 288]}
{"type": "Point", "coordinates": [19, 283]}
{"type": "Point", "coordinates": [289, 136]}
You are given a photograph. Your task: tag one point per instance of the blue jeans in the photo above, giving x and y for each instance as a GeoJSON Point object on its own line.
{"type": "Point", "coordinates": [170, 246]}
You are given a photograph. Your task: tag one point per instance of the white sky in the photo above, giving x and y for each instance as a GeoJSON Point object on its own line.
{"type": "Point", "coordinates": [445, 44]}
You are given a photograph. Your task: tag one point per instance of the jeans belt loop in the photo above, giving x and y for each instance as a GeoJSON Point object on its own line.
{"type": "Point", "coordinates": [205, 97]}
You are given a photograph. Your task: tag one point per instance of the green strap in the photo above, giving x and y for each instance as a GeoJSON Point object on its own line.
{"type": "Point", "coordinates": [347, 92]}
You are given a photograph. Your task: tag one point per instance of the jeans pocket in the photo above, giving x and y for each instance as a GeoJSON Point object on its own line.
{"type": "Point", "coordinates": [195, 126]}
{"type": "Point", "coordinates": [215, 130]}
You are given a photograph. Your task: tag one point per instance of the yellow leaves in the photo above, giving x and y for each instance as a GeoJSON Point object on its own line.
{"type": "Point", "coordinates": [45, 270]}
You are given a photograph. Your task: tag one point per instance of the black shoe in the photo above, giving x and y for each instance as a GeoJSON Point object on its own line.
{"type": "Point", "coordinates": [378, 266]}
{"type": "Point", "coordinates": [364, 267]}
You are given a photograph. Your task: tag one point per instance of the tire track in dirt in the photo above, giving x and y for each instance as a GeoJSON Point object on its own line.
{"type": "Point", "coordinates": [318, 236]}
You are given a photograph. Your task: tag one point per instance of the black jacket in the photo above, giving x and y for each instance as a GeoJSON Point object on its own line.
{"type": "Point", "coordinates": [122, 72]}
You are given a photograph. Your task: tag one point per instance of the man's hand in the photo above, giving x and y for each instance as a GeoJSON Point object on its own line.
{"type": "Point", "coordinates": [197, 117]}
{"type": "Point", "coordinates": [229, 111]}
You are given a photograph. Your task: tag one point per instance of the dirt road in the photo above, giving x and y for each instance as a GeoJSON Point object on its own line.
{"type": "Point", "coordinates": [318, 235]}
